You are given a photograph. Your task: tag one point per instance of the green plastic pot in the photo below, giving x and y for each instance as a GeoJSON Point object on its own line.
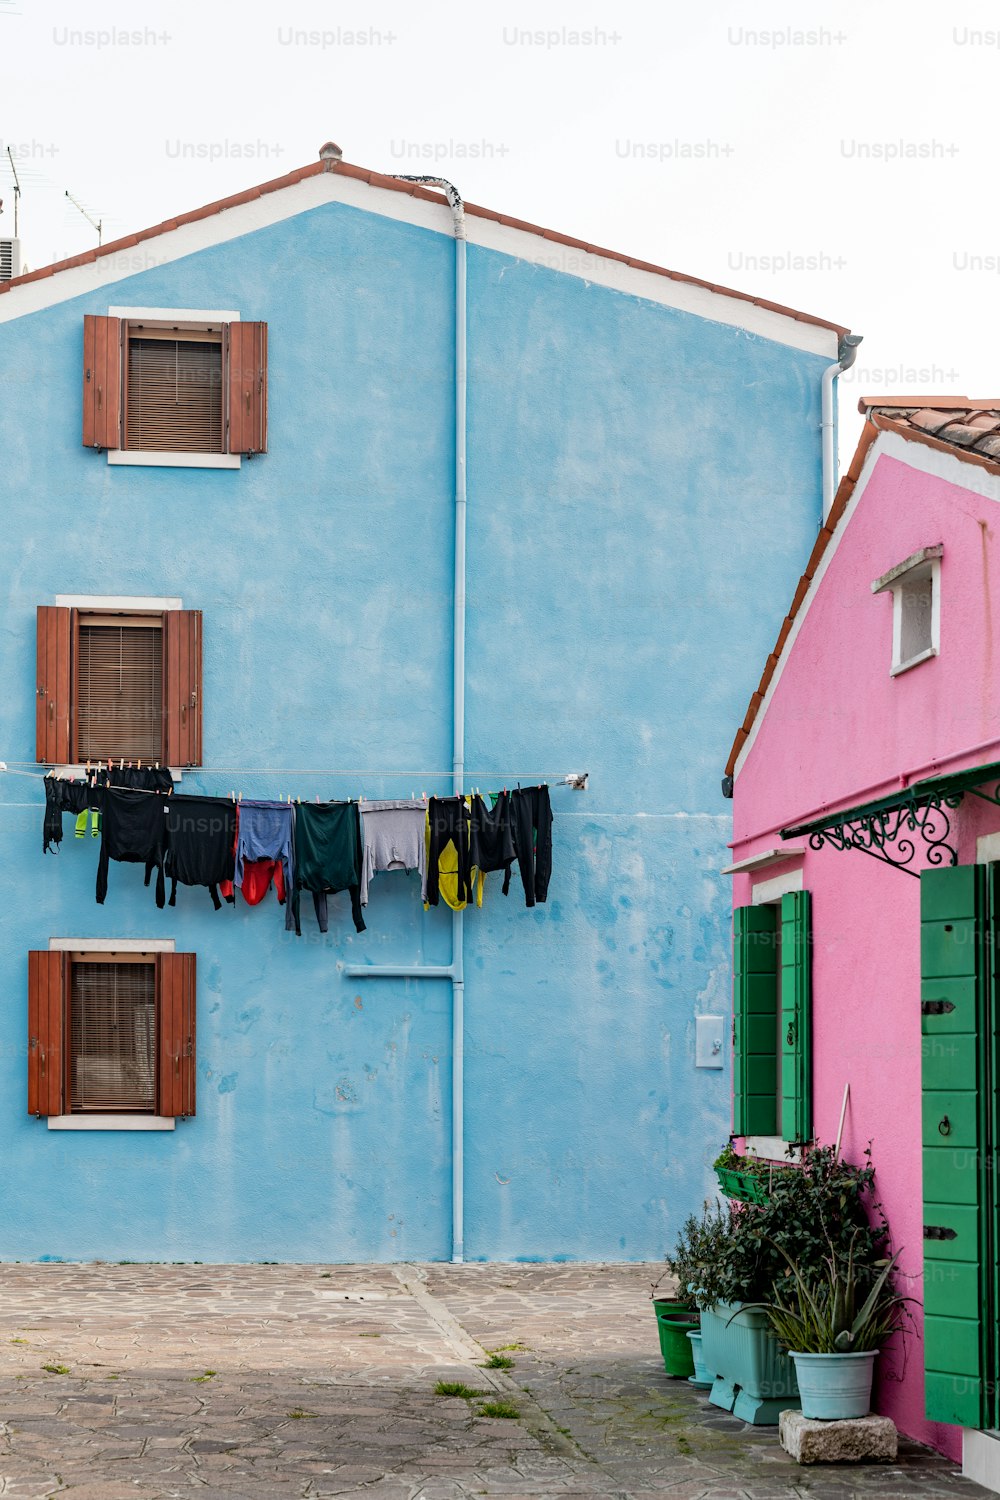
{"type": "Point", "coordinates": [675, 1346]}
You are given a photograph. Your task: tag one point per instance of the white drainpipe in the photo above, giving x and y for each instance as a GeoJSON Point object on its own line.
{"type": "Point", "coordinates": [848, 353]}
{"type": "Point", "coordinates": [455, 971]}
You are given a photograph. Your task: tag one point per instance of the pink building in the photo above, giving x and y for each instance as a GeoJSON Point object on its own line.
{"type": "Point", "coordinates": [866, 784]}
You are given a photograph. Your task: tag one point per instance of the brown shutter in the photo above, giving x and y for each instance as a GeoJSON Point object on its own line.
{"type": "Point", "coordinates": [102, 381]}
{"type": "Point", "coordinates": [182, 687]}
{"type": "Point", "coordinates": [46, 1015]}
{"type": "Point", "coordinates": [52, 697]}
{"type": "Point", "coordinates": [176, 1033]}
{"type": "Point", "coordinates": [247, 374]}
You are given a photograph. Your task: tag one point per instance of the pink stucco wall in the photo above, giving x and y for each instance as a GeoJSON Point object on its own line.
{"type": "Point", "coordinates": [839, 730]}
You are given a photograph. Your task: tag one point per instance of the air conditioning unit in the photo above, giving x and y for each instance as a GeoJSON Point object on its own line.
{"type": "Point", "coordinates": [10, 259]}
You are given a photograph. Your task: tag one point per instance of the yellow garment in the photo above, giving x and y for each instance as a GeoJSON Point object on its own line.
{"type": "Point", "coordinates": [448, 870]}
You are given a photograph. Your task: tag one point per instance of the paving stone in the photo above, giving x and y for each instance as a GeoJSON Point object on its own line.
{"type": "Point", "coordinates": [138, 1416]}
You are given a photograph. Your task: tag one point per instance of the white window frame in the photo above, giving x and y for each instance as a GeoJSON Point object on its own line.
{"type": "Point", "coordinates": [133, 604]}
{"type": "Point", "coordinates": [916, 568]}
{"type": "Point", "coordinates": [173, 317]}
{"type": "Point", "coordinates": [768, 893]}
{"type": "Point", "coordinates": [112, 945]}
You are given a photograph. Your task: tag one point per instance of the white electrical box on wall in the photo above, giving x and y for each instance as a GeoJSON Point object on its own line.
{"type": "Point", "coordinates": [708, 1041]}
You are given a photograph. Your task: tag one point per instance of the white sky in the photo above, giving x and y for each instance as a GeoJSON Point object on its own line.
{"type": "Point", "coordinates": [594, 139]}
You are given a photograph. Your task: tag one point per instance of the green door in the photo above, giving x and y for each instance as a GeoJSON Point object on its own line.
{"type": "Point", "coordinates": [957, 992]}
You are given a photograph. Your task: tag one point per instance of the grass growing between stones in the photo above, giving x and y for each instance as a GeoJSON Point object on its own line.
{"type": "Point", "coordinates": [502, 1409]}
{"type": "Point", "coordinates": [457, 1388]}
{"type": "Point", "coordinates": [200, 1379]}
{"type": "Point", "coordinates": [56, 1369]}
{"type": "Point", "coordinates": [298, 1415]}
{"type": "Point", "coordinates": [498, 1361]}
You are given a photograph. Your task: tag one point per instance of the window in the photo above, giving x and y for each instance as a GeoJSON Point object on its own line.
{"type": "Point", "coordinates": [111, 1033]}
{"type": "Point", "coordinates": [772, 1042]}
{"type": "Point", "coordinates": [174, 386]}
{"type": "Point", "coordinates": [111, 1056]}
{"type": "Point", "coordinates": [173, 391]}
{"type": "Point", "coordinates": [118, 683]}
{"type": "Point", "coordinates": [915, 586]}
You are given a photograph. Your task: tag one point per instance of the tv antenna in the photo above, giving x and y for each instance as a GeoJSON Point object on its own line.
{"type": "Point", "coordinates": [98, 225]}
{"type": "Point", "coordinates": [17, 188]}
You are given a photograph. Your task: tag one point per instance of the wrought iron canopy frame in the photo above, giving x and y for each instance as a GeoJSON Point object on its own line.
{"type": "Point", "coordinates": [895, 829]}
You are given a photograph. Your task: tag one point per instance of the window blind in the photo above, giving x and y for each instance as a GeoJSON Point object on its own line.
{"type": "Point", "coordinates": [174, 395]}
{"type": "Point", "coordinates": [119, 696]}
{"type": "Point", "coordinates": [113, 1037]}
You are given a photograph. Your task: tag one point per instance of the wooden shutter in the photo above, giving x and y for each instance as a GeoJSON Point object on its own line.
{"type": "Point", "coordinates": [46, 1021]}
{"type": "Point", "coordinates": [755, 1060]}
{"type": "Point", "coordinates": [247, 378]}
{"type": "Point", "coordinates": [118, 698]}
{"type": "Point", "coordinates": [103, 343]}
{"type": "Point", "coordinates": [176, 1033]}
{"type": "Point", "coordinates": [52, 700]}
{"type": "Point", "coordinates": [174, 393]}
{"type": "Point", "coordinates": [957, 1146]}
{"type": "Point", "coordinates": [796, 1016]}
{"type": "Point", "coordinates": [182, 687]}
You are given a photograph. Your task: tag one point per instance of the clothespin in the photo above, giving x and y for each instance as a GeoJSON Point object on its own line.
{"type": "Point", "coordinates": [232, 795]}
{"type": "Point", "coordinates": [241, 796]}
{"type": "Point", "coordinates": [88, 765]}
{"type": "Point", "coordinates": [121, 764]}
{"type": "Point", "coordinates": [317, 799]}
{"type": "Point", "coordinates": [109, 767]}
{"type": "Point", "coordinates": [138, 765]}
{"type": "Point", "coordinates": [157, 765]}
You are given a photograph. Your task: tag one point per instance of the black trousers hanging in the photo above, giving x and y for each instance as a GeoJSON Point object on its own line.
{"type": "Point", "coordinates": [531, 818]}
{"type": "Point", "coordinates": [449, 823]}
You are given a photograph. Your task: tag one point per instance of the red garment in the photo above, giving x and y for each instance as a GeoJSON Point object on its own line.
{"type": "Point", "coordinates": [257, 877]}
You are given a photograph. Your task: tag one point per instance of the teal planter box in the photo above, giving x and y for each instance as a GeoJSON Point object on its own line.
{"type": "Point", "coordinates": [754, 1379]}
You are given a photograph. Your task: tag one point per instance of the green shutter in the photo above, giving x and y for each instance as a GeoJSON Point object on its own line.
{"type": "Point", "coordinates": [755, 994]}
{"type": "Point", "coordinates": [796, 1016]}
{"type": "Point", "coordinates": [955, 970]}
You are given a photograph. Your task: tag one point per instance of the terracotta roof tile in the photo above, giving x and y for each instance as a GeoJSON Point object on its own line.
{"type": "Point", "coordinates": [975, 440]}
{"type": "Point", "coordinates": [415, 190]}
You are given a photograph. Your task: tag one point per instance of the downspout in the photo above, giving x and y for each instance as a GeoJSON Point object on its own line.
{"type": "Point", "coordinates": [847, 354]}
{"type": "Point", "coordinates": [455, 971]}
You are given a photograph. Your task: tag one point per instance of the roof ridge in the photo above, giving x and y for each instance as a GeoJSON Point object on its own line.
{"type": "Point", "coordinates": [415, 190]}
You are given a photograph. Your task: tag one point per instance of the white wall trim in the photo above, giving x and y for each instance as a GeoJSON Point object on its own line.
{"type": "Point", "coordinates": [136, 458]}
{"type": "Point", "coordinates": [770, 1148]}
{"type": "Point", "coordinates": [129, 603]}
{"type": "Point", "coordinates": [331, 187]}
{"type": "Point", "coordinates": [915, 455]}
{"type": "Point", "coordinates": [762, 860]}
{"type": "Point", "coordinates": [773, 889]}
{"type": "Point", "coordinates": [981, 1458]}
{"type": "Point", "coordinates": [112, 945]}
{"type": "Point", "coordinates": [110, 1122]}
{"type": "Point", "coordinates": [987, 848]}
{"type": "Point", "coordinates": [175, 317]}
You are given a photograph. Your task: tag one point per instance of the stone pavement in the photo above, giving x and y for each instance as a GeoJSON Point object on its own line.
{"type": "Point", "coordinates": [125, 1382]}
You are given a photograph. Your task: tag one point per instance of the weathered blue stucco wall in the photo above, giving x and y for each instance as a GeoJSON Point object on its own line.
{"type": "Point", "coordinates": [644, 485]}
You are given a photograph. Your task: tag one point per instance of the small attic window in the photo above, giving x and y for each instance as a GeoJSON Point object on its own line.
{"type": "Point", "coordinates": [915, 586]}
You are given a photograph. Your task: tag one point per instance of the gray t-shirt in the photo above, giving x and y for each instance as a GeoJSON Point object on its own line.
{"type": "Point", "coordinates": [393, 839]}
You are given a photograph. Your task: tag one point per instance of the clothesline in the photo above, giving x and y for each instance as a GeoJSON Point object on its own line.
{"type": "Point", "coordinates": [578, 780]}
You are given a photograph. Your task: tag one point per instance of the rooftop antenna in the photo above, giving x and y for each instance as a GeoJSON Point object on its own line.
{"type": "Point", "coordinates": [99, 225]}
{"type": "Point", "coordinates": [17, 188]}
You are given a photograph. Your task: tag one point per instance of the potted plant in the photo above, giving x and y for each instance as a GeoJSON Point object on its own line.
{"type": "Point", "coordinates": [831, 1338]}
{"type": "Point", "coordinates": [733, 1259]}
{"type": "Point", "coordinates": [743, 1178]}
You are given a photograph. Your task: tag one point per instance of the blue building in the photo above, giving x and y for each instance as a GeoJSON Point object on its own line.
{"type": "Point", "coordinates": [279, 571]}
